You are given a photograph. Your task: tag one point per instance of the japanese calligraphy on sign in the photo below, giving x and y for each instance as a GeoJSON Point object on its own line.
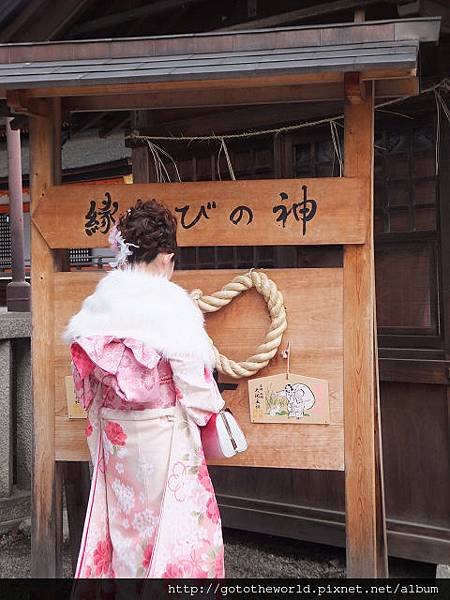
{"type": "Point", "coordinates": [100, 218]}
{"type": "Point", "coordinates": [226, 213]}
{"type": "Point", "coordinates": [302, 211]}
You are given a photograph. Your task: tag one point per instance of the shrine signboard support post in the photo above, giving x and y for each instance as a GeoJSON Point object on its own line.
{"type": "Point", "coordinates": [334, 339]}
{"type": "Point", "coordinates": [363, 474]}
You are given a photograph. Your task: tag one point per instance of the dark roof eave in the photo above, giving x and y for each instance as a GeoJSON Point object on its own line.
{"type": "Point", "coordinates": [424, 29]}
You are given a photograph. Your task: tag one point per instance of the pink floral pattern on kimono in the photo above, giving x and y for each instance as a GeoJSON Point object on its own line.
{"type": "Point", "coordinates": [152, 510]}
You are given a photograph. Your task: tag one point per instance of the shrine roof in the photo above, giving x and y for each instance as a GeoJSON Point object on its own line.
{"type": "Point", "coordinates": [221, 55]}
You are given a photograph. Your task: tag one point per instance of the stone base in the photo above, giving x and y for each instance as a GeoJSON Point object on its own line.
{"type": "Point", "coordinates": [18, 296]}
{"type": "Point", "coordinates": [14, 509]}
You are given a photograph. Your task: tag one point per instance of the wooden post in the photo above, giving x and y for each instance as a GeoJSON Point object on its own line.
{"type": "Point", "coordinates": [43, 542]}
{"type": "Point", "coordinates": [365, 525]}
{"type": "Point", "coordinates": [142, 169]}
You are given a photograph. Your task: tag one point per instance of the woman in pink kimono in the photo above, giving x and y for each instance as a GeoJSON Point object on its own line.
{"type": "Point", "coordinates": [142, 366]}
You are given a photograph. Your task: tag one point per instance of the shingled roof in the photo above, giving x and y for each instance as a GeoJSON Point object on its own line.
{"type": "Point", "coordinates": [342, 47]}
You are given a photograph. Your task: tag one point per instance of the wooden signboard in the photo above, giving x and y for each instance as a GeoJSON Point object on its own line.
{"type": "Point", "coordinates": [313, 300]}
{"type": "Point", "coordinates": [229, 213]}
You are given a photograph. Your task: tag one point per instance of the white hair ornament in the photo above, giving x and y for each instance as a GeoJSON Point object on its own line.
{"type": "Point", "coordinates": [120, 246]}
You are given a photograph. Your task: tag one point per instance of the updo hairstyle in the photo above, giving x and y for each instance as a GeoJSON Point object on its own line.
{"type": "Point", "coordinates": [151, 226]}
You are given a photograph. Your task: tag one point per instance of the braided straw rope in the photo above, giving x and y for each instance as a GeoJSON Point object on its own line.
{"type": "Point", "coordinates": [274, 299]}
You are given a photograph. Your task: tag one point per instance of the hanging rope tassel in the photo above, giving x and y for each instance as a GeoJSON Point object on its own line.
{"type": "Point", "coordinates": [337, 145]}
{"type": "Point", "coordinates": [223, 148]}
{"type": "Point", "coordinates": [162, 174]}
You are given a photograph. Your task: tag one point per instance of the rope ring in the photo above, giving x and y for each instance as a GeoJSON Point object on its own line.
{"type": "Point", "coordinates": [278, 323]}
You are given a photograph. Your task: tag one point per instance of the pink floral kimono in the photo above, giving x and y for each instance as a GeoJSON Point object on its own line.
{"type": "Point", "coordinates": [143, 373]}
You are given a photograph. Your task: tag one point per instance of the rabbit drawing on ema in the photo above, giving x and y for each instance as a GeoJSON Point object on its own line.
{"type": "Point", "coordinates": [299, 398]}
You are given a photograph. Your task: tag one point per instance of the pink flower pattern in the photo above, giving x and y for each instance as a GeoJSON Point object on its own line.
{"type": "Point", "coordinates": [212, 510]}
{"type": "Point", "coordinates": [207, 375]}
{"type": "Point", "coordinates": [115, 434]}
{"type": "Point", "coordinates": [148, 552]}
{"type": "Point", "coordinates": [203, 477]}
{"type": "Point", "coordinates": [88, 430]}
{"type": "Point", "coordinates": [102, 557]}
{"type": "Point", "coordinates": [126, 375]}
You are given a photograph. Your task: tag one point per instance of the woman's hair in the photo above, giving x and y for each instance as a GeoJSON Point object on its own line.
{"type": "Point", "coordinates": [150, 226]}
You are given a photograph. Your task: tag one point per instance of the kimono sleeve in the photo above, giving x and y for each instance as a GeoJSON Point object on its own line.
{"type": "Point", "coordinates": [81, 367]}
{"type": "Point", "coordinates": [196, 389]}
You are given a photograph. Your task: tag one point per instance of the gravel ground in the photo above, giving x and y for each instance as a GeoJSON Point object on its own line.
{"type": "Point", "coordinates": [246, 555]}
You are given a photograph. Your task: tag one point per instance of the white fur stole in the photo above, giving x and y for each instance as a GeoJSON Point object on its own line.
{"type": "Point", "coordinates": [150, 308]}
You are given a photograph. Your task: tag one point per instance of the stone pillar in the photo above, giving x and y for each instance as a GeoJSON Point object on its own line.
{"type": "Point", "coordinates": [6, 455]}
{"type": "Point", "coordinates": [18, 291]}
{"type": "Point", "coordinates": [23, 412]}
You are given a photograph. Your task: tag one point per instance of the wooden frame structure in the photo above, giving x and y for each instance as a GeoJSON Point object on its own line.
{"type": "Point", "coordinates": [43, 89]}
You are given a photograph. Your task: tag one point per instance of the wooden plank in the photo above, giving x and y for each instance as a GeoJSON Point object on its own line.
{"type": "Point", "coordinates": [43, 522]}
{"type": "Point", "coordinates": [206, 84]}
{"type": "Point", "coordinates": [205, 98]}
{"type": "Point", "coordinates": [313, 299]}
{"type": "Point", "coordinates": [360, 394]}
{"type": "Point", "coordinates": [444, 227]}
{"type": "Point", "coordinates": [233, 97]}
{"type": "Point", "coordinates": [340, 217]}
{"type": "Point", "coordinates": [223, 121]}
{"type": "Point", "coordinates": [411, 370]}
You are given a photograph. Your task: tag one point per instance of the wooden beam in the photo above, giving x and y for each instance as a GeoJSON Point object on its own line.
{"type": "Point", "coordinates": [239, 119]}
{"type": "Point", "coordinates": [19, 103]}
{"type": "Point", "coordinates": [43, 540]}
{"type": "Point", "coordinates": [286, 94]}
{"type": "Point", "coordinates": [257, 84]}
{"type": "Point", "coordinates": [198, 85]}
{"type": "Point", "coordinates": [354, 88]}
{"type": "Point", "coordinates": [300, 14]}
{"type": "Point", "coordinates": [365, 527]}
{"type": "Point", "coordinates": [204, 98]}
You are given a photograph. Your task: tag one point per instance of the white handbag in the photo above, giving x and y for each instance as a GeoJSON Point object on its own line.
{"type": "Point", "coordinates": [222, 437]}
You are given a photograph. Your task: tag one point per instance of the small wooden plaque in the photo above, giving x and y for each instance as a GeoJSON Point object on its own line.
{"type": "Point", "coordinates": [292, 399]}
{"type": "Point", "coordinates": [74, 408]}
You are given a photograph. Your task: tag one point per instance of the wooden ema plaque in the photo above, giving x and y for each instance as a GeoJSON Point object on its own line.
{"type": "Point", "coordinates": [289, 398]}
